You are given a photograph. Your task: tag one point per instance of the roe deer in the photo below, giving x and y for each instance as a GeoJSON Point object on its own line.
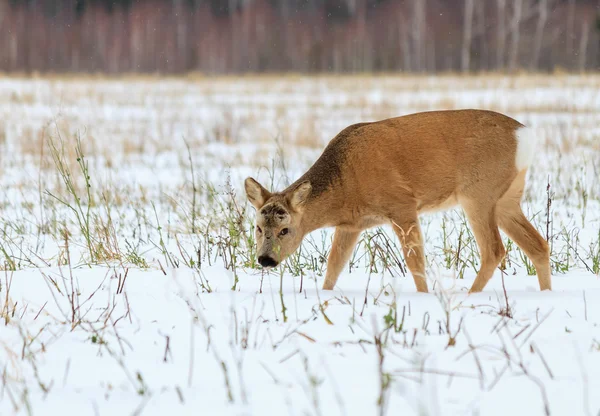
{"type": "Point", "coordinates": [390, 171]}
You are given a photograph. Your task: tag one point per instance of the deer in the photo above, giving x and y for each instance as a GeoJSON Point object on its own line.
{"type": "Point", "coordinates": [391, 171]}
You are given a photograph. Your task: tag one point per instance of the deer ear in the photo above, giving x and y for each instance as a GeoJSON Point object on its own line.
{"type": "Point", "coordinates": [256, 193]}
{"type": "Point", "coordinates": [300, 196]}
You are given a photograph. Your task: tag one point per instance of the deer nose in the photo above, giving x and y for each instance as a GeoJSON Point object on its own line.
{"type": "Point", "coordinates": [266, 261]}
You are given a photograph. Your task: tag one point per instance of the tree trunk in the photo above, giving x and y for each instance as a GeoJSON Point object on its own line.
{"type": "Point", "coordinates": [501, 33]}
{"type": "Point", "coordinates": [419, 34]}
{"type": "Point", "coordinates": [583, 44]}
{"type": "Point", "coordinates": [539, 33]}
{"type": "Point", "coordinates": [515, 32]}
{"type": "Point", "coordinates": [431, 61]}
{"type": "Point", "coordinates": [480, 31]}
{"type": "Point", "coordinates": [406, 55]}
{"type": "Point", "coordinates": [570, 27]}
{"type": "Point", "coordinates": [467, 36]}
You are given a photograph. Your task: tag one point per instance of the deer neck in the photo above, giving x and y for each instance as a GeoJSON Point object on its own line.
{"type": "Point", "coordinates": [321, 211]}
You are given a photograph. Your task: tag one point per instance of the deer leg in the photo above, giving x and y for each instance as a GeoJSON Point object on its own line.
{"type": "Point", "coordinates": [516, 226]}
{"type": "Point", "coordinates": [408, 230]}
{"type": "Point", "coordinates": [344, 242]}
{"type": "Point", "coordinates": [484, 226]}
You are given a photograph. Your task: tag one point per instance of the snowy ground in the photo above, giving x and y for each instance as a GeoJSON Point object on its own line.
{"type": "Point", "coordinates": [137, 291]}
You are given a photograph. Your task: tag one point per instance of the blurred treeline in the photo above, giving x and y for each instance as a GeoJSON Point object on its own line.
{"type": "Point", "coordinates": [224, 36]}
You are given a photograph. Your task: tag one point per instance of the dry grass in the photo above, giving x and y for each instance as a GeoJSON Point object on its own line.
{"type": "Point", "coordinates": [142, 135]}
{"type": "Point", "coordinates": [156, 185]}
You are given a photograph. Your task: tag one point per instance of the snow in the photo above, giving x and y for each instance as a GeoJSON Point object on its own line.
{"type": "Point", "coordinates": [189, 334]}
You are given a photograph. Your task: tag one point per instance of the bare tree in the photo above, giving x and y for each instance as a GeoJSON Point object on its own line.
{"type": "Point", "coordinates": [500, 33]}
{"type": "Point", "coordinates": [480, 33]}
{"type": "Point", "coordinates": [515, 28]}
{"type": "Point", "coordinates": [570, 26]}
{"type": "Point", "coordinates": [583, 43]}
{"type": "Point", "coordinates": [250, 35]}
{"type": "Point", "coordinates": [419, 34]}
{"type": "Point", "coordinates": [539, 32]}
{"type": "Point", "coordinates": [406, 55]}
{"type": "Point", "coordinates": [597, 26]}
{"type": "Point", "coordinates": [467, 35]}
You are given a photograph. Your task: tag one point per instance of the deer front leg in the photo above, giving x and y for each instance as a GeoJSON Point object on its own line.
{"type": "Point", "coordinates": [408, 230]}
{"type": "Point", "coordinates": [344, 242]}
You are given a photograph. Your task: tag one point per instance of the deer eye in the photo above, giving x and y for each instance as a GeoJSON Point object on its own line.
{"type": "Point", "coordinates": [284, 231]}
{"type": "Point", "coordinates": [258, 229]}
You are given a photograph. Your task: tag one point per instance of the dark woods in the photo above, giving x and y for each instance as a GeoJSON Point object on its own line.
{"type": "Point", "coordinates": [225, 36]}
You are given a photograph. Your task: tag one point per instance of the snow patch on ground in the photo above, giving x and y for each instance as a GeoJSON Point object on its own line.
{"type": "Point", "coordinates": [171, 316]}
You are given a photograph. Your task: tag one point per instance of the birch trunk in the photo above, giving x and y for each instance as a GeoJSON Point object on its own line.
{"type": "Point", "coordinates": [583, 44]}
{"type": "Point", "coordinates": [419, 34]}
{"type": "Point", "coordinates": [570, 27]}
{"type": "Point", "coordinates": [501, 33]}
{"type": "Point", "coordinates": [467, 36]}
{"type": "Point", "coordinates": [515, 34]}
{"type": "Point", "coordinates": [539, 33]}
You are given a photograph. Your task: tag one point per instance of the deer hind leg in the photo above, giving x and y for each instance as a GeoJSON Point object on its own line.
{"type": "Point", "coordinates": [485, 228]}
{"type": "Point", "coordinates": [408, 230]}
{"type": "Point", "coordinates": [344, 242]}
{"type": "Point", "coordinates": [516, 226]}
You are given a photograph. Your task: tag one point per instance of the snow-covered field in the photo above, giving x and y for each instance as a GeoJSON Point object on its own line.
{"type": "Point", "coordinates": [129, 284]}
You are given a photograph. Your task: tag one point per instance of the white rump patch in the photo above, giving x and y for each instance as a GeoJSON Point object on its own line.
{"type": "Point", "coordinates": [526, 143]}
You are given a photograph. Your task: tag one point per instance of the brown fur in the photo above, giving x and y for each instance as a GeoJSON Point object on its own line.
{"type": "Point", "coordinates": [391, 171]}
